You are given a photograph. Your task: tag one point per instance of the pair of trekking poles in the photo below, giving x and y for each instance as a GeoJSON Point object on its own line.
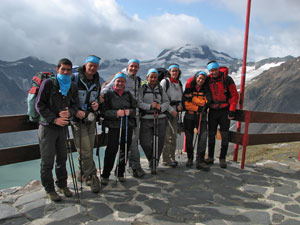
{"type": "Point", "coordinates": [71, 160]}
{"type": "Point", "coordinates": [119, 146]}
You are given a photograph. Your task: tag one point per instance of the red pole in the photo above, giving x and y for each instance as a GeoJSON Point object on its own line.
{"type": "Point", "coordinates": [243, 77]}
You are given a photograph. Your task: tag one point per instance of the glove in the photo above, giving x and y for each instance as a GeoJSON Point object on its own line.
{"type": "Point", "coordinates": [200, 108]}
{"type": "Point", "coordinates": [231, 114]}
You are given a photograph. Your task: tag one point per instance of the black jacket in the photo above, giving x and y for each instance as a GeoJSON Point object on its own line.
{"type": "Point", "coordinates": [50, 101]}
{"type": "Point", "coordinates": [112, 103]}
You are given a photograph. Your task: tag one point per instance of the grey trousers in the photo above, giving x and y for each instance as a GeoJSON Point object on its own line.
{"type": "Point", "coordinates": [146, 137]}
{"type": "Point", "coordinates": [134, 153]}
{"type": "Point", "coordinates": [170, 141]}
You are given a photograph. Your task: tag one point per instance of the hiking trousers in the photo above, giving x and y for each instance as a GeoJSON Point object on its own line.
{"type": "Point", "coordinates": [52, 142]}
{"type": "Point", "coordinates": [146, 137]}
{"type": "Point", "coordinates": [112, 150]}
{"type": "Point", "coordinates": [84, 139]}
{"type": "Point", "coordinates": [134, 153]}
{"type": "Point", "coordinates": [170, 140]}
{"type": "Point", "coordinates": [218, 117]}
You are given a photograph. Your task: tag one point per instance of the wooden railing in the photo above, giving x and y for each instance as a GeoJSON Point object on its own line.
{"type": "Point", "coordinates": [246, 139]}
{"type": "Point", "coordinates": [19, 123]}
{"type": "Point", "coordinates": [24, 153]}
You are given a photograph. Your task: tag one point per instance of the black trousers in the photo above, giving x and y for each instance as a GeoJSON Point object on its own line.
{"type": "Point", "coordinates": [218, 117]}
{"type": "Point", "coordinates": [112, 150]}
{"type": "Point", "coordinates": [189, 125]}
{"type": "Point", "coordinates": [52, 141]}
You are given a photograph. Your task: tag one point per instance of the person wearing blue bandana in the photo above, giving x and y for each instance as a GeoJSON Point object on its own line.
{"type": "Point", "coordinates": [222, 109]}
{"type": "Point", "coordinates": [153, 104]}
{"type": "Point", "coordinates": [56, 103]}
{"type": "Point", "coordinates": [133, 83]}
{"type": "Point", "coordinates": [119, 105]}
{"type": "Point", "coordinates": [173, 87]}
{"type": "Point", "coordinates": [84, 128]}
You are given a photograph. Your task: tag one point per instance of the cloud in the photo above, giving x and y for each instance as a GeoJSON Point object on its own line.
{"type": "Point", "coordinates": [52, 29]}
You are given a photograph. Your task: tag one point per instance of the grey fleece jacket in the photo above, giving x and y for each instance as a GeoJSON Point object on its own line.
{"type": "Point", "coordinates": [146, 98]}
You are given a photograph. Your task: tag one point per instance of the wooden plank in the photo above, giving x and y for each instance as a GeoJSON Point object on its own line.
{"type": "Point", "coordinates": [236, 137]}
{"type": "Point", "coordinates": [269, 117]}
{"type": "Point", "coordinates": [16, 123]}
{"type": "Point", "coordinates": [258, 139]}
{"type": "Point", "coordinates": [24, 153]}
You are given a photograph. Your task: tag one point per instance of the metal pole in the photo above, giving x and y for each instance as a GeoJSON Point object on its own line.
{"type": "Point", "coordinates": [243, 77]}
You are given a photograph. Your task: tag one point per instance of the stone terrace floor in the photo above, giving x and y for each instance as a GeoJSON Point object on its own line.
{"type": "Point", "coordinates": [265, 193]}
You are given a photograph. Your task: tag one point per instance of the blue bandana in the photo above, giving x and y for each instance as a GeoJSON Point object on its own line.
{"type": "Point", "coordinates": [213, 65]}
{"type": "Point", "coordinates": [119, 75]}
{"type": "Point", "coordinates": [201, 73]}
{"type": "Point", "coordinates": [152, 71]}
{"type": "Point", "coordinates": [93, 59]}
{"type": "Point", "coordinates": [173, 66]}
{"type": "Point", "coordinates": [64, 83]}
{"type": "Point", "coordinates": [133, 60]}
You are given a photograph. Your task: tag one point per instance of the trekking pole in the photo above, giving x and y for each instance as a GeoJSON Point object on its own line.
{"type": "Point", "coordinates": [71, 162]}
{"type": "Point", "coordinates": [119, 150]}
{"type": "Point", "coordinates": [126, 148]}
{"type": "Point", "coordinates": [155, 144]}
{"type": "Point", "coordinates": [98, 154]}
{"type": "Point", "coordinates": [199, 127]}
{"type": "Point", "coordinates": [180, 150]}
{"type": "Point", "coordinates": [80, 155]}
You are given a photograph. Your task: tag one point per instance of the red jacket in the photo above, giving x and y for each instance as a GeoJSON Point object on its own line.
{"type": "Point", "coordinates": [223, 91]}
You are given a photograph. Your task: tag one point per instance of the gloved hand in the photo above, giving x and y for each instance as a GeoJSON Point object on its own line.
{"type": "Point", "coordinates": [200, 108]}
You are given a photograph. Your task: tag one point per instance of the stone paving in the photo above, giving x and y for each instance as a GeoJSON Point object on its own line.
{"type": "Point", "coordinates": [264, 193]}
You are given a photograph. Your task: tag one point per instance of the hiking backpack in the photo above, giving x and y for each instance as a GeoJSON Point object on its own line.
{"type": "Point", "coordinates": [37, 80]}
{"type": "Point", "coordinates": [164, 74]}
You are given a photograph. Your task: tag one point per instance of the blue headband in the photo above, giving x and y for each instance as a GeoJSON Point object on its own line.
{"type": "Point", "coordinates": [213, 65]}
{"type": "Point", "coordinates": [133, 60]}
{"type": "Point", "coordinates": [201, 73]}
{"type": "Point", "coordinates": [93, 59]}
{"type": "Point", "coordinates": [120, 75]}
{"type": "Point", "coordinates": [152, 71]}
{"type": "Point", "coordinates": [173, 66]}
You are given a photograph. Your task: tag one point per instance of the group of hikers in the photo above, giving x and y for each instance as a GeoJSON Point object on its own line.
{"type": "Point", "coordinates": [134, 112]}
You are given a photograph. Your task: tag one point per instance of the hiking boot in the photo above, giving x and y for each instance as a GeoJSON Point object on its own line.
{"type": "Point", "coordinates": [95, 186]}
{"type": "Point", "coordinates": [153, 172]}
{"type": "Point", "coordinates": [53, 196]}
{"type": "Point", "coordinates": [173, 164]}
{"type": "Point", "coordinates": [104, 181]}
{"type": "Point", "coordinates": [223, 163]}
{"type": "Point", "coordinates": [139, 172]}
{"type": "Point", "coordinates": [209, 160]}
{"type": "Point", "coordinates": [88, 180]}
{"type": "Point", "coordinates": [65, 191]}
{"type": "Point", "coordinates": [166, 163]}
{"type": "Point", "coordinates": [202, 166]}
{"type": "Point", "coordinates": [189, 163]}
{"type": "Point", "coordinates": [121, 179]}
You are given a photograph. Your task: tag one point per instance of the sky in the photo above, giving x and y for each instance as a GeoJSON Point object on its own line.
{"type": "Point", "coordinates": [115, 29]}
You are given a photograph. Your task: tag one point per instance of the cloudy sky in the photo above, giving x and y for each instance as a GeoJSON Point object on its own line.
{"type": "Point", "coordinates": [52, 29]}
